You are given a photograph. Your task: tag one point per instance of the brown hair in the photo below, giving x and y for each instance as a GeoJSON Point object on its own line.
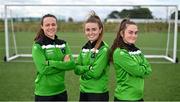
{"type": "Point", "coordinates": [40, 33]}
{"type": "Point", "coordinates": [118, 41]}
{"type": "Point", "coordinates": [93, 18]}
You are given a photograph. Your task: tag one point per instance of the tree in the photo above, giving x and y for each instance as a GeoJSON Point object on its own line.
{"type": "Point", "coordinates": [125, 13]}
{"type": "Point", "coordinates": [70, 19]}
{"type": "Point", "coordinates": [137, 12]}
{"type": "Point", "coordinates": [144, 13]}
{"type": "Point", "coordinates": [114, 14]}
{"type": "Point", "coordinates": [173, 15]}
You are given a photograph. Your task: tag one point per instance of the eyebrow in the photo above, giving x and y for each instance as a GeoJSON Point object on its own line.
{"type": "Point", "coordinates": [133, 31]}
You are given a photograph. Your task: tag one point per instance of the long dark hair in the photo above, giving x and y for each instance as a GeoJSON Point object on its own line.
{"type": "Point", "coordinates": [118, 41]}
{"type": "Point", "coordinates": [40, 33]}
{"type": "Point", "coordinates": [93, 18]}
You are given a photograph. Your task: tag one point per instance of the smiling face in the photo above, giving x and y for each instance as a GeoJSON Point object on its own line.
{"type": "Point", "coordinates": [49, 27]}
{"type": "Point", "coordinates": [130, 34]}
{"type": "Point", "coordinates": [92, 31]}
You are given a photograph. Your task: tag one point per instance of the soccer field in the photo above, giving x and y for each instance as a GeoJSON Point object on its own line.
{"type": "Point", "coordinates": [17, 77]}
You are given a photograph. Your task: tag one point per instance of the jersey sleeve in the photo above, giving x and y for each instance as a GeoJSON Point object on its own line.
{"type": "Point", "coordinates": [99, 65]}
{"type": "Point", "coordinates": [61, 65]}
{"type": "Point", "coordinates": [40, 61]}
{"type": "Point", "coordinates": [80, 69]}
{"type": "Point", "coordinates": [146, 64]}
{"type": "Point", "coordinates": [124, 60]}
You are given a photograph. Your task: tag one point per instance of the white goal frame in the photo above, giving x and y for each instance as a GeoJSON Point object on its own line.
{"type": "Point", "coordinates": [16, 55]}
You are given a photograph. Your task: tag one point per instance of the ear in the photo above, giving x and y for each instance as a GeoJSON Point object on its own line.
{"type": "Point", "coordinates": [100, 30]}
{"type": "Point", "coordinates": [121, 33]}
{"type": "Point", "coordinates": [41, 27]}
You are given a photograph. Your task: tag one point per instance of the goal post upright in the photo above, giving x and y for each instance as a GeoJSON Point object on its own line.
{"type": "Point", "coordinates": [175, 36]}
{"type": "Point", "coordinates": [13, 34]}
{"type": "Point", "coordinates": [6, 58]}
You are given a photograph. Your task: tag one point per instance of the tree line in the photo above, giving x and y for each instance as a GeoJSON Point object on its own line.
{"type": "Point", "coordinates": [137, 12]}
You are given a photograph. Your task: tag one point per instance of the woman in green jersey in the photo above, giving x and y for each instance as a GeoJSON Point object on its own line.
{"type": "Point", "coordinates": [52, 57]}
{"type": "Point", "coordinates": [130, 64]}
{"type": "Point", "coordinates": [92, 62]}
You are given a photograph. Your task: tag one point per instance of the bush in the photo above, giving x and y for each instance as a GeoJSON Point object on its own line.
{"type": "Point", "coordinates": [78, 27]}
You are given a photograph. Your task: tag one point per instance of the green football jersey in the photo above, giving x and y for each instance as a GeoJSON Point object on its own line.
{"type": "Point", "coordinates": [48, 56]}
{"type": "Point", "coordinates": [92, 66]}
{"type": "Point", "coordinates": [131, 67]}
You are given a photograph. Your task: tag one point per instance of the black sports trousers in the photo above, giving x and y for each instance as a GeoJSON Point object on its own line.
{"type": "Point", "coordinates": [94, 96]}
{"type": "Point", "coordinates": [58, 97]}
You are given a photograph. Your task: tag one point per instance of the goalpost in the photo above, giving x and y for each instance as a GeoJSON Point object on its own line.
{"type": "Point", "coordinates": [158, 35]}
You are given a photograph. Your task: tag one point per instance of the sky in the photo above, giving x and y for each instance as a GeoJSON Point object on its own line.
{"type": "Point", "coordinates": [79, 13]}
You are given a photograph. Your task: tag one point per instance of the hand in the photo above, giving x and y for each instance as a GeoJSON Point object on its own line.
{"type": "Point", "coordinates": [47, 62]}
{"type": "Point", "coordinates": [66, 58]}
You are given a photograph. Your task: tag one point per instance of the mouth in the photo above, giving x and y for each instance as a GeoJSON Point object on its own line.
{"type": "Point", "coordinates": [51, 31]}
{"type": "Point", "coordinates": [91, 36]}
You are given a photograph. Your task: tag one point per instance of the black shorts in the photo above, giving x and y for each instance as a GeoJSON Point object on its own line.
{"type": "Point", "coordinates": [58, 97]}
{"type": "Point", "coordinates": [94, 96]}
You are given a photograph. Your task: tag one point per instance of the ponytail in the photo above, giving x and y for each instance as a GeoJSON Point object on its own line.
{"type": "Point", "coordinates": [93, 18]}
{"type": "Point", "coordinates": [118, 41]}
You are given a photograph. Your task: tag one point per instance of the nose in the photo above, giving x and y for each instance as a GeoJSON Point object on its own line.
{"type": "Point", "coordinates": [134, 33]}
{"type": "Point", "coordinates": [90, 32]}
{"type": "Point", "coordinates": [50, 26]}
{"type": "Point", "coordinates": [134, 36]}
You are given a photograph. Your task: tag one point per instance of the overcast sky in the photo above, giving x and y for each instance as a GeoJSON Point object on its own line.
{"type": "Point", "coordinates": [79, 12]}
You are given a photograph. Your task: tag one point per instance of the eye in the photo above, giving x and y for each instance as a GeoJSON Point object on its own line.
{"type": "Point", "coordinates": [87, 29]}
{"type": "Point", "coordinates": [94, 29]}
{"type": "Point", "coordinates": [47, 25]}
{"type": "Point", "coordinates": [53, 24]}
{"type": "Point", "coordinates": [136, 32]}
{"type": "Point", "coordinates": [131, 32]}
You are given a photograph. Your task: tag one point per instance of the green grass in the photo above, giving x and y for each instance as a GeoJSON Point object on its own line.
{"type": "Point", "coordinates": [146, 41]}
{"type": "Point", "coordinates": [17, 78]}
{"type": "Point", "coordinates": [17, 81]}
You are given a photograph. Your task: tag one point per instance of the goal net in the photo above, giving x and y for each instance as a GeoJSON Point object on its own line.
{"type": "Point", "coordinates": [157, 27]}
